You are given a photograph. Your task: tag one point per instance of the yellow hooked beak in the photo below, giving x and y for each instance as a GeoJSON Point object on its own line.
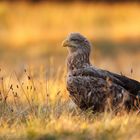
{"type": "Point", "coordinates": [65, 43]}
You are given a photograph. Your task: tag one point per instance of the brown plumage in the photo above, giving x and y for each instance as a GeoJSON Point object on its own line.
{"type": "Point", "coordinates": [90, 87]}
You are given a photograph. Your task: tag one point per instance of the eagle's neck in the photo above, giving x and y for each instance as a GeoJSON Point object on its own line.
{"type": "Point", "coordinates": [77, 60]}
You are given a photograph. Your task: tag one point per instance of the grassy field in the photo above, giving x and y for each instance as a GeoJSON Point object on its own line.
{"type": "Point", "coordinates": [34, 102]}
{"type": "Point", "coordinates": [39, 108]}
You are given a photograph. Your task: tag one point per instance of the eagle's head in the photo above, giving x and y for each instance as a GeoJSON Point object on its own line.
{"type": "Point", "coordinates": [76, 42]}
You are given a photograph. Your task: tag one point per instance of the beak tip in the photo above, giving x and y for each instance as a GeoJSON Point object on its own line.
{"type": "Point", "coordinates": [65, 43]}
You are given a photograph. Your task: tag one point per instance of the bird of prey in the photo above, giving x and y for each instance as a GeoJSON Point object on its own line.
{"type": "Point", "coordinates": [94, 88]}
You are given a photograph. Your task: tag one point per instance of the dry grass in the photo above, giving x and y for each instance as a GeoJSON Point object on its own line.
{"type": "Point", "coordinates": [35, 106]}
{"type": "Point", "coordinates": [34, 103]}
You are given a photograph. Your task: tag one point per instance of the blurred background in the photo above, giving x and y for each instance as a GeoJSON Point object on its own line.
{"type": "Point", "coordinates": [31, 33]}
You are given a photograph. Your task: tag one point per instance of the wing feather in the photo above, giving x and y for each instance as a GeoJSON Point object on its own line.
{"type": "Point", "coordinates": [128, 84]}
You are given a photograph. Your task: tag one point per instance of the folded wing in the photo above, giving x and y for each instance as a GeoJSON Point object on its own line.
{"type": "Point", "coordinates": [132, 86]}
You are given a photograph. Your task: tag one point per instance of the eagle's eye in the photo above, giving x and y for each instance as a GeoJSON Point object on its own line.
{"type": "Point", "coordinates": [74, 39]}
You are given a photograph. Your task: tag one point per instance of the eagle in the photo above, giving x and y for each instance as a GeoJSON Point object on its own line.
{"type": "Point", "coordinates": [93, 88]}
